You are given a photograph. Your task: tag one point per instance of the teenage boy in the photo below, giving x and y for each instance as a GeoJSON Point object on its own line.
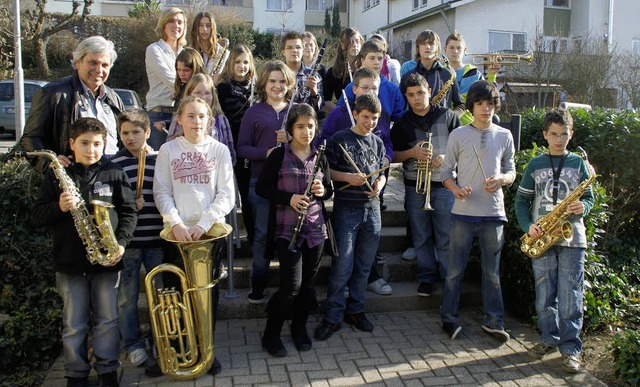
{"type": "Point", "coordinates": [559, 272]}
{"type": "Point", "coordinates": [89, 292]}
{"type": "Point", "coordinates": [364, 81]}
{"type": "Point", "coordinates": [353, 155]}
{"type": "Point", "coordinates": [428, 65]}
{"type": "Point", "coordinates": [466, 74]}
{"type": "Point", "coordinates": [145, 247]}
{"type": "Point", "coordinates": [482, 153]}
{"type": "Point", "coordinates": [371, 57]}
{"type": "Point", "coordinates": [430, 228]}
{"type": "Point", "coordinates": [292, 49]}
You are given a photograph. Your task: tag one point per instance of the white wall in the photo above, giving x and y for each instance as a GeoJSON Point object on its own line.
{"type": "Point", "coordinates": [475, 19]}
{"type": "Point", "coordinates": [626, 26]}
{"type": "Point", "coordinates": [370, 21]}
{"type": "Point", "coordinates": [263, 19]}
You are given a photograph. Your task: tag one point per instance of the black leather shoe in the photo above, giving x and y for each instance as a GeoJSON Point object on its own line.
{"type": "Point", "coordinates": [152, 368]}
{"type": "Point", "coordinates": [216, 367]}
{"type": "Point", "coordinates": [274, 346]}
{"type": "Point", "coordinates": [110, 379]}
{"type": "Point", "coordinates": [359, 321]}
{"type": "Point", "coordinates": [325, 329]}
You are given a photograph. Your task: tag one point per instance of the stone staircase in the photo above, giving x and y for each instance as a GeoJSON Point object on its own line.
{"type": "Point", "coordinates": [400, 274]}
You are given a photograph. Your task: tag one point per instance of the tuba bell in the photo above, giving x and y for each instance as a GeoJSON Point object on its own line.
{"type": "Point", "coordinates": [423, 176]}
{"type": "Point", "coordinates": [182, 320]}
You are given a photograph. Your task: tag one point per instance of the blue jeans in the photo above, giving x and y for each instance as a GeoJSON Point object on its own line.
{"type": "Point", "coordinates": [430, 230]}
{"type": "Point", "coordinates": [491, 238]}
{"type": "Point", "coordinates": [85, 297]}
{"type": "Point", "coordinates": [559, 276]}
{"type": "Point", "coordinates": [157, 137]}
{"type": "Point", "coordinates": [129, 290]}
{"type": "Point", "coordinates": [260, 208]}
{"type": "Point", "coordinates": [357, 232]}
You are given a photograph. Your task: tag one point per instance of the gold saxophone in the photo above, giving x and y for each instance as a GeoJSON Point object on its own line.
{"type": "Point", "coordinates": [222, 54]}
{"type": "Point", "coordinates": [447, 85]}
{"type": "Point", "coordinates": [556, 228]}
{"type": "Point", "coordinates": [182, 321]}
{"type": "Point", "coordinates": [95, 231]}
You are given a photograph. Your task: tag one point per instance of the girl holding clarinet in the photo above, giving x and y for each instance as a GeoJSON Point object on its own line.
{"type": "Point", "coordinates": [296, 179]}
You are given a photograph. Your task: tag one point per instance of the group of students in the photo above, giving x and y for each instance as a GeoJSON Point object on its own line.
{"type": "Point", "coordinates": [287, 163]}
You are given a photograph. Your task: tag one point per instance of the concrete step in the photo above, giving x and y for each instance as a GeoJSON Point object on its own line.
{"type": "Point", "coordinates": [403, 298]}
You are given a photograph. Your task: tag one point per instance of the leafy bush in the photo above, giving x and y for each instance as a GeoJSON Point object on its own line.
{"type": "Point", "coordinates": [30, 338]}
{"type": "Point", "coordinates": [626, 356]}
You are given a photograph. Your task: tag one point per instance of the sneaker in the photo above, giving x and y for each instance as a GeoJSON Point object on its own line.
{"type": "Point", "coordinates": [380, 286]}
{"type": "Point", "coordinates": [257, 296]}
{"type": "Point", "coordinates": [424, 289]}
{"type": "Point", "coordinates": [540, 350]}
{"type": "Point", "coordinates": [570, 363]}
{"type": "Point", "coordinates": [325, 329]}
{"type": "Point", "coordinates": [452, 329]}
{"type": "Point", "coordinates": [152, 368]}
{"type": "Point", "coordinates": [379, 259]}
{"type": "Point", "coordinates": [216, 367]}
{"type": "Point", "coordinates": [409, 254]}
{"type": "Point", "coordinates": [383, 207]}
{"type": "Point", "coordinates": [497, 333]}
{"type": "Point", "coordinates": [359, 321]}
{"type": "Point", "coordinates": [137, 357]}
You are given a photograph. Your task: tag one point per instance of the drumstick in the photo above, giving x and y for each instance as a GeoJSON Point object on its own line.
{"type": "Point", "coordinates": [479, 162]}
{"type": "Point", "coordinates": [368, 176]}
{"type": "Point", "coordinates": [353, 164]}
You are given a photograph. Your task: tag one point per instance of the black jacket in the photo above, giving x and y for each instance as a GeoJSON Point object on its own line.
{"type": "Point", "coordinates": [437, 76]}
{"type": "Point", "coordinates": [104, 181]}
{"type": "Point", "coordinates": [53, 110]}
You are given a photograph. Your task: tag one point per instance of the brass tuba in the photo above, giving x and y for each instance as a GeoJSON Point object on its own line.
{"type": "Point", "coordinates": [423, 176]}
{"type": "Point", "coordinates": [182, 321]}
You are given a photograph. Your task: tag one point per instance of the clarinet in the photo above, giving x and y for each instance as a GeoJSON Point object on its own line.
{"type": "Point", "coordinates": [303, 213]}
{"type": "Point", "coordinates": [314, 70]}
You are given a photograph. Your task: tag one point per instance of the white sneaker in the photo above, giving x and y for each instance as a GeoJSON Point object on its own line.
{"type": "Point", "coordinates": [409, 254]}
{"type": "Point", "coordinates": [570, 363]}
{"type": "Point", "coordinates": [138, 356]}
{"type": "Point", "coordinates": [380, 286]}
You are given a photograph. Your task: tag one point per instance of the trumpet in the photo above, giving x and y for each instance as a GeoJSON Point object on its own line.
{"type": "Point", "coordinates": [502, 59]}
{"type": "Point", "coordinates": [423, 177]}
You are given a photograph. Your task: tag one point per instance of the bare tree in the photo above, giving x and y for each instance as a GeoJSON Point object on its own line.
{"type": "Point", "coordinates": [627, 78]}
{"type": "Point", "coordinates": [38, 28]}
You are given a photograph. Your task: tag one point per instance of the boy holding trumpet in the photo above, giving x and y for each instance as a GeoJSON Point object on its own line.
{"type": "Point", "coordinates": [482, 153]}
{"type": "Point", "coordinates": [430, 222]}
{"type": "Point", "coordinates": [355, 157]}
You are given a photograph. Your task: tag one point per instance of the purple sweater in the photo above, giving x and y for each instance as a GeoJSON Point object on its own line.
{"type": "Point", "coordinates": [258, 134]}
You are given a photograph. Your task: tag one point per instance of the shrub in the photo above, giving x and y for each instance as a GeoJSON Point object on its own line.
{"type": "Point", "coordinates": [626, 356]}
{"type": "Point", "coordinates": [30, 338]}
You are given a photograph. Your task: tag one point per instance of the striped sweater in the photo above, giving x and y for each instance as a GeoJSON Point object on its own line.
{"type": "Point", "coordinates": [147, 233]}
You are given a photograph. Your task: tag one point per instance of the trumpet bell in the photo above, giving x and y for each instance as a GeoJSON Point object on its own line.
{"type": "Point", "coordinates": [502, 59]}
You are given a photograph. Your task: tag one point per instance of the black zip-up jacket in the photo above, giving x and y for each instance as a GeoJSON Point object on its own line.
{"type": "Point", "coordinates": [53, 109]}
{"type": "Point", "coordinates": [104, 181]}
{"type": "Point", "coordinates": [436, 77]}
{"type": "Point", "coordinates": [234, 101]}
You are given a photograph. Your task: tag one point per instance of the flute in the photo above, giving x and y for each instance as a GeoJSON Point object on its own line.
{"type": "Point", "coordinates": [286, 116]}
{"type": "Point", "coordinates": [307, 192]}
{"type": "Point", "coordinates": [346, 102]}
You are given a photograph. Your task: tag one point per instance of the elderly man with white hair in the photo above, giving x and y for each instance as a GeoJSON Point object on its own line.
{"type": "Point", "coordinates": [82, 94]}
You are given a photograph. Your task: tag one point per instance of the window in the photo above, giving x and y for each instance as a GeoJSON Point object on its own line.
{"type": "Point", "coordinates": [555, 44]}
{"type": "Point", "coordinates": [507, 41]}
{"type": "Point", "coordinates": [419, 3]}
{"type": "Point", "coordinates": [635, 46]}
{"type": "Point", "coordinates": [557, 4]}
{"type": "Point", "coordinates": [319, 5]}
{"type": "Point", "coordinates": [279, 5]}
{"type": "Point", "coordinates": [368, 4]}
{"type": "Point", "coordinates": [408, 46]}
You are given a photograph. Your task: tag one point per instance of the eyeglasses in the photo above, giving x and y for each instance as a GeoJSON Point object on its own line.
{"type": "Point", "coordinates": [367, 89]}
{"type": "Point", "coordinates": [562, 136]}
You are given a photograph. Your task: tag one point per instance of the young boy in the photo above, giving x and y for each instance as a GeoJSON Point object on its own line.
{"type": "Point", "coordinates": [365, 81]}
{"type": "Point", "coordinates": [428, 65]}
{"type": "Point", "coordinates": [559, 272]}
{"type": "Point", "coordinates": [88, 292]}
{"type": "Point", "coordinates": [145, 247]}
{"type": "Point", "coordinates": [482, 153]}
{"type": "Point", "coordinates": [292, 51]}
{"type": "Point", "coordinates": [466, 74]}
{"type": "Point", "coordinates": [371, 57]}
{"type": "Point", "coordinates": [430, 228]}
{"type": "Point", "coordinates": [353, 155]}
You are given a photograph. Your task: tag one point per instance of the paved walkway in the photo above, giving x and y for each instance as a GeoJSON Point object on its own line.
{"type": "Point", "coordinates": [405, 349]}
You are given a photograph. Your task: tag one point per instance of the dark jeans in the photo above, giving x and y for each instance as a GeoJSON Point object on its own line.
{"type": "Point", "coordinates": [243, 175]}
{"type": "Point", "coordinates": [298, 272]}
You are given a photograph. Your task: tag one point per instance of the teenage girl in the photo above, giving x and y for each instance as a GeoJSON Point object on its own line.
{"type": "Point", "coordinates": [193, 183]}
{"type": "Point", "coordinates": [339, 75]}
{"type": "Point", "coordinates": [188, 64]}
{"type": "Point", "coordinates": [283, 182]}
{"type": "Point", "coordinates": [260, 132]}
{"type": "Point", "coordinates": [204, 38]}
{"type": "Point", "coordinates": [234, 93]}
